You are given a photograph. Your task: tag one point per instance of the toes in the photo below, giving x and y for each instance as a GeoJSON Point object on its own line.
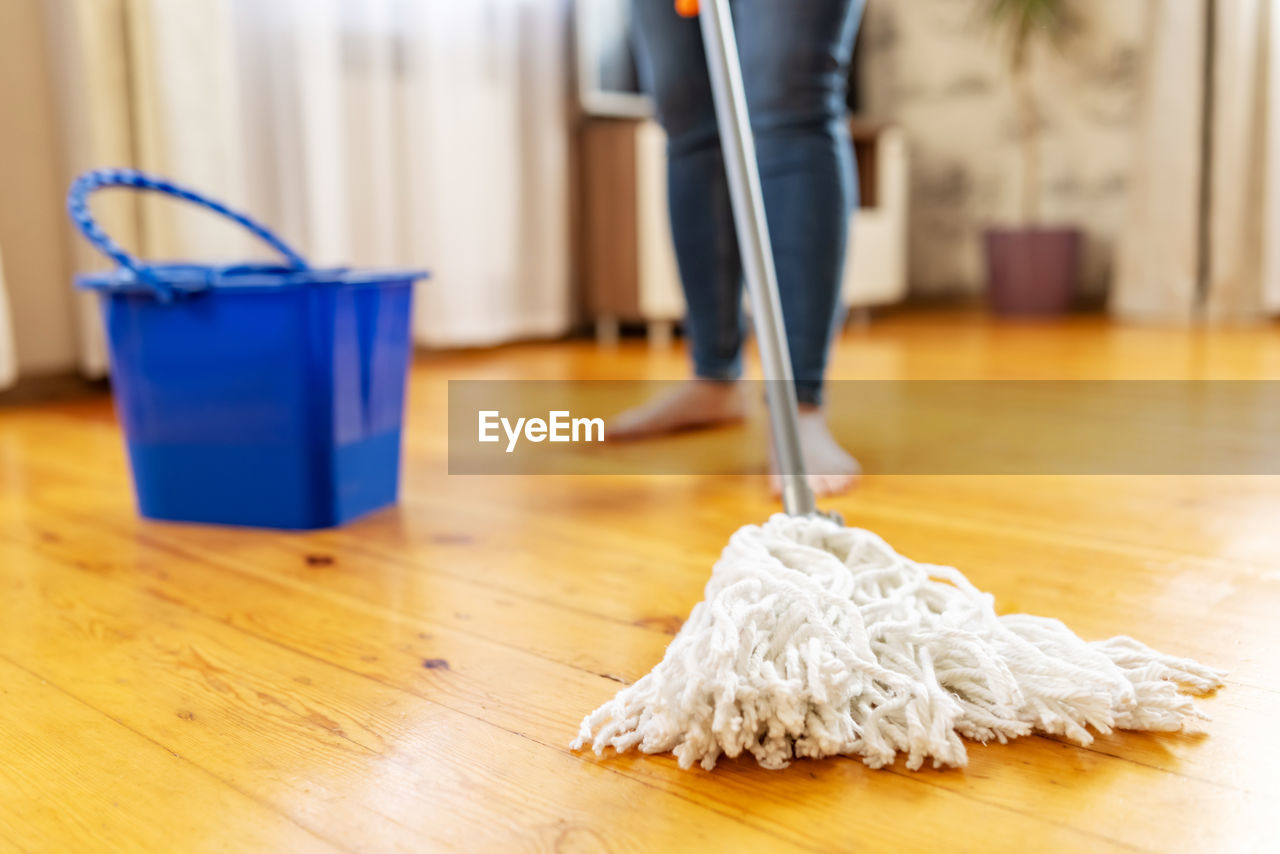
{"type": "Point", "coordinates": [624, 427]}
{"type": "Point", "coordinates": [823, 484]}
{"type": "Point", "coordinates": [832, 484]}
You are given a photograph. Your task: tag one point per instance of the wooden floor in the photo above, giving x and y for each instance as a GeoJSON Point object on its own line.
{"type": "Point", "coordinates": [411, 682]}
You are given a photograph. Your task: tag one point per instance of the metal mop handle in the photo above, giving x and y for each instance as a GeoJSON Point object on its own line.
{"type": "Point", "coordinates": [757, 255]}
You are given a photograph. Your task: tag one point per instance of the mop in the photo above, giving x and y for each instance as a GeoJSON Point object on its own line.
{"type": "Point", "coordinates": [814, 639]}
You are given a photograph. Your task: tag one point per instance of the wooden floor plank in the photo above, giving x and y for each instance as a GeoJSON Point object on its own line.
{"type": "Point", "coordinates": [409, 682]}
{"type": "Point", "coordinates": [55, 794]}
{"type": "Point", "coordinates": [1034, 570]}
{"type": "Point", "coordinates": [471, 675]}
{"type": "Point", "coordinates": [361, 764]}
{"type": "Point", "coordinates": [618, 646]}
{"type": "Point", "coordinates": [365, 766]}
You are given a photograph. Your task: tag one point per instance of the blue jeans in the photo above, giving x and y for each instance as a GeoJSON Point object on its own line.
{"type": "Point", "coordinates": [795, 62]}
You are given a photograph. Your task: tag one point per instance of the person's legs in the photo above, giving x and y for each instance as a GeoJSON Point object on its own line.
{"type": "Point", "coordinates": [795, 64]}
{"type": "Point", "coordinates": [673, 69]}
{"type": "Point", "coordinates": [795, 59]}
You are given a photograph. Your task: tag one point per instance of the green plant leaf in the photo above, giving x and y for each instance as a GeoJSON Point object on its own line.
{"type": "Point", "coordinates": [1021, 21]}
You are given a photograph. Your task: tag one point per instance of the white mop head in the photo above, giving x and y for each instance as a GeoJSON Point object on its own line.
{"type": "Point", "coordinates": [815, 640]}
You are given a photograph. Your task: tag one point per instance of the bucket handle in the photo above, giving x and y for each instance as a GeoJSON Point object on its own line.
{"type": "Point", "coordinates": [98, 179]}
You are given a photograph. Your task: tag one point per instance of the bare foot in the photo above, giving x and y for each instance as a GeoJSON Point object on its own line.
{"type": "Point", "coordinates": [699, 403]}
{"type": "Point", "coordinates": [831, 469]}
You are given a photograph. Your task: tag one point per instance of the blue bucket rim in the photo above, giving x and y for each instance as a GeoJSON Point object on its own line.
{"type": "Point", "coordinates": [194, 278]}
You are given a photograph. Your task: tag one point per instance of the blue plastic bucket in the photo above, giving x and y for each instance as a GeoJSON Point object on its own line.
{"type": "Point", "coordinates": [252, 394]}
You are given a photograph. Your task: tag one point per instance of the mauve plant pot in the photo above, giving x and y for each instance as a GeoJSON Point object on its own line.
{"type": "Point", "coordinates": [1032, 271]}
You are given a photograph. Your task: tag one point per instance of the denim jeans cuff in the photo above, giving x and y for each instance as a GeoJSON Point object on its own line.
{"type": "Point", "coordinates": [723, 375]}
{"type": "Point", "coordinates": [809, 393]}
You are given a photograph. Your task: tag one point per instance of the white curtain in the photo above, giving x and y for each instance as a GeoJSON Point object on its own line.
{"type": "Point", "coordinates": [1244, 220]}
{"type": "Point", "coordinates": [1203, 236]}
{"type": "Point", "coordinates": [405, 133]}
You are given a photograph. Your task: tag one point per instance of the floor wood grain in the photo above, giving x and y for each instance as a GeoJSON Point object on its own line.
{"type": "Point", "coordinates": [410, 682]}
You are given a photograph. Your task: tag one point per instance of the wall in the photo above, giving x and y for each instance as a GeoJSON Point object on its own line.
{"type": "Point", "coordinates": [933, 67]}
{"type": "Point", "coordinates": [34, 233]}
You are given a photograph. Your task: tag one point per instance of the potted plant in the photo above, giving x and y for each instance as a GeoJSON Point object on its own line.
{"type": "Point", "coordinates": [1032, 268]}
